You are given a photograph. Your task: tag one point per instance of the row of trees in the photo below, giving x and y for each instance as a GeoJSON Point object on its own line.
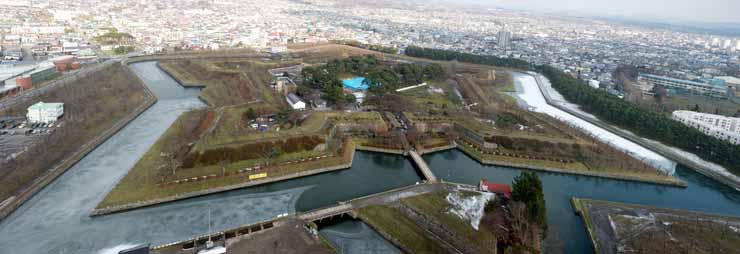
{"type": "Point", "coordinates": [647, 123]}
{"type": "Point", "coordinates": [438, 54]}
{"type": "Point", "coordinates": [379, 48]}
{"type": "Point", "coordinates": [644, 122]}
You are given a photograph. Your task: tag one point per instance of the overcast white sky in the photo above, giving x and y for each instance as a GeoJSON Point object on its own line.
{"type": "Point", "coordinates": [675, 10]}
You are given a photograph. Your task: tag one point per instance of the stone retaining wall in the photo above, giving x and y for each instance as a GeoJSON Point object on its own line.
{"type": "Point", "coordinates": [676, 183]}
{"type": "Point", "coordinates": [131, 206]}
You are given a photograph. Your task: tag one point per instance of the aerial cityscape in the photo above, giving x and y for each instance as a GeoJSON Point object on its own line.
{"type": "Point", "coordinates": [328, 126]}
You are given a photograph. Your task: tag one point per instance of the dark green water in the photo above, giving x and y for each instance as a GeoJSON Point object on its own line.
{"type": "Point", "coordinates": [352, 236]}
{"type": "Point", "coordinates": [703, 194]}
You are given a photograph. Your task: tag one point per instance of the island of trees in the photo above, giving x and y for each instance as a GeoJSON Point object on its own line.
{"type": "Point", "coordinates": [379, 77]}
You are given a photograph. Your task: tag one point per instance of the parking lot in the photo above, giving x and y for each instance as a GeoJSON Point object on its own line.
{"type": "Point", "coordinates": [16, 134]}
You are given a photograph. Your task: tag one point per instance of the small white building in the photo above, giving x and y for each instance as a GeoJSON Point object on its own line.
{"type": "Point", "coordinates": [45, 112]}
{"type": "Point", "coordinates": [295, 102]}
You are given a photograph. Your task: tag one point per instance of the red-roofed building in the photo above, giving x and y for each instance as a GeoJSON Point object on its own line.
{"type": "Point", "coordinates": [500, 189]}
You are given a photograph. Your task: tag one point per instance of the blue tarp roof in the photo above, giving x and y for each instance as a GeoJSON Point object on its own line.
{"type": "Point", "coordinates": [355, 84]}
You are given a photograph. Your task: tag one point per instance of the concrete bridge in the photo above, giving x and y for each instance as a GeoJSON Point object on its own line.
{"type": "Point", "coordinates": [323, 213]}
{"type": "Point", "coordinates": [423, 167]}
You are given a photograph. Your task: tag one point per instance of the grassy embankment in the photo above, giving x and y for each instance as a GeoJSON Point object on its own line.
{"type": "Point", "coordinates": [142, 183]}
{"type": "Point", "coordinates": [93, 104]}
{"type": "Point", "coordinates": [435, 206]}
{"type": "Point", "coordinates": [227, 83]}
{"type": "Point", "coordinates": [395, 225]}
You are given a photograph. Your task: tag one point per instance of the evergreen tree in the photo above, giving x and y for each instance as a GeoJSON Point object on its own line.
{"type": "Point", "coordinates": [527, 188]}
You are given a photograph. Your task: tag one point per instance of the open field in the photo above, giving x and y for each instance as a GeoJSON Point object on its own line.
{"type": "Point", "coordinates": [227, 82]}
{"type": "Point", "coordinates": [627, 228]}
{"type": "Point", "coordinates": [317, 123]}
{"type": "Point", "coordinates": [431, 101]}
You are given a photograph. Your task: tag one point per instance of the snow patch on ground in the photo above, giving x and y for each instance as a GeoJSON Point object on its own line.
{"type": "Point", "coordinates": [469, 208]}
{"type": "Point", "coordinates": [118, 248]}
{"type": "Point", "coordinates": [735, 229]}
{"type": "Point", "coordinates": [535, 100]}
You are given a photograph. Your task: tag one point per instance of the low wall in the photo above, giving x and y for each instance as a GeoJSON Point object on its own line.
{"type": "Point", "coordinates": [438, 149]}
{"type": "Point", "coordinates": [676, 183]}
{"type": "Point", "coordinates": [379, 150]}
{"type": "Point", "coordinates": [582, 211]}
{"type": "Point", "coordinates": [132, 206]}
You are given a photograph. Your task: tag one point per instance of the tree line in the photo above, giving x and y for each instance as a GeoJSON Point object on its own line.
{"type": "Point", "coordinates": [644, 122]}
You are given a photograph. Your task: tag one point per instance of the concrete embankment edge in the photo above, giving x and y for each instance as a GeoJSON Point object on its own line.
{"type": "Point", "coordinates": [60, 169]}
{"type": "Point", "coordinates": [676, 183]}
{"type": "Point", "coordinates": [132, 206]}
{"type": "Point", "coordinates": [438, 149]}
{"type": "Point", "coordinates": [631, 137]}
{"type": "Point", "coordinates": [379, 150]}
{"type": "Point", "coordinates": [578, 207]}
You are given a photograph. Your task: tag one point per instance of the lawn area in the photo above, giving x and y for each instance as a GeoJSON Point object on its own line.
{"type": "Point", "coordinates": [435, 206]}
{"type": "Point", "coordinates": [227, 82]}
{"type": "Point", "coordinates": [396, 225]}
{"type": "Point", "coordinates": [229, 132]}
{"type": "Point", "coordinates": [422, 98]}
{"type": "Point", "coordinates": [184, 77]}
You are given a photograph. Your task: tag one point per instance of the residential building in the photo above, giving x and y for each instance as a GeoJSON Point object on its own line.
{"type": "Point", "coordinates": [504, 39]}
{"type": "Point", "coordinates": [45, 112]}
{"type": "Point", "coordinates": [710, 87]}
{"type": "Point", "coordinates": [721, 127]}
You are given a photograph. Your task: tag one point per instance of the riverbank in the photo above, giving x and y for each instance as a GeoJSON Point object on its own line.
{"type": "Point", "coordinates": [188, 195]}
{"type": "Point", "coordinates": [581, 211]}
{"type": "Point", "coordinates": [669, 181]}
{"type": "Point", "coordinates": [136, 205]}
{"type": "Point", "coordinates": [705, 170]}
{"type": "Point", "coordinates": [622, 228]}
{"type": "Point", "coordinates": [174, 74]}
{"type": "Point", "coordinates": [480, 159]}
{"type": "Point", "coordinates": [61, 168]}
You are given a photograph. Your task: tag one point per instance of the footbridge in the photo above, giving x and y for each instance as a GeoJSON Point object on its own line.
{"type": "Point", "coordinates": [423, 167]}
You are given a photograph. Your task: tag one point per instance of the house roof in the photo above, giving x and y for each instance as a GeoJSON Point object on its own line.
{"type": "Point", "coordinates": [293, 99]}
{"type": "Point", "coordinates": [497, 188]}
{"type": "Point", "coordinates": [44, 106]}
